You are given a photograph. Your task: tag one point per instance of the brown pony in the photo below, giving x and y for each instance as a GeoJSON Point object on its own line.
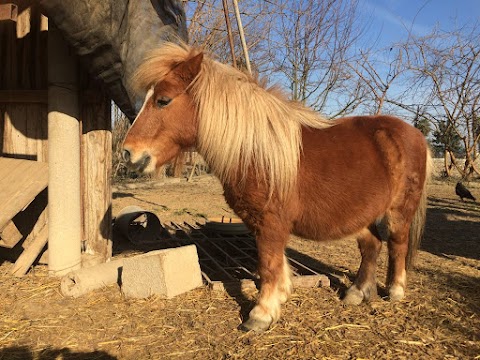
{"type": "Point", "coordinates": [285, 169]}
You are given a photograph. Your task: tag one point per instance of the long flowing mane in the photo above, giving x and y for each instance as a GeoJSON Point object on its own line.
{"type": "Point", "coordinates": [242, 125]}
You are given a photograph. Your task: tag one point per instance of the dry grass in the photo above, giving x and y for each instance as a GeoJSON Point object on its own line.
{"type": "Point", "coordinates": [120, 129]}
{"type": "Point", "coordinates": [438, 320]}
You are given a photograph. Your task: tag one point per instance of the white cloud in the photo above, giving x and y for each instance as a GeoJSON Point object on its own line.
{"type": "Point", "coordinates": [382, 13]}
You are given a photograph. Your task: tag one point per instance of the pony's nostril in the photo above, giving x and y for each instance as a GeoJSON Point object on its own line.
{"type": "Point", "coordinates": [126, 155]}
{"type": "Point", "coordinates": [138, 164]}
{"type": "Point", "coordinates": [145, 161]}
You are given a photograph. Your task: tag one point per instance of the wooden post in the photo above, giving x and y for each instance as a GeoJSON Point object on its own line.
{"type": "Point", "coordinates": [242, 36]}
{"type": "Point", "coordinates": [64, 220]}
{"type": "Point", "coordinates": [229, 32]}
{"type": "Point", "coordinates": [96, 176]}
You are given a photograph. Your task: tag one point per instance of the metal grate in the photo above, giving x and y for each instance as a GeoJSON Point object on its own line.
{"type": "Point", "coordinates": [232, 259]}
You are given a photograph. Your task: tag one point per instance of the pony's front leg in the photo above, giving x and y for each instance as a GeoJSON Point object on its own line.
{"type": "Point", "coordinates": [275, 279]}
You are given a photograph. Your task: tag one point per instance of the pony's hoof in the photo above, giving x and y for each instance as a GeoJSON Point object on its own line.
{"type": "Point", "coordinates": [255, 325]}
{"type": "Point", "coordinates": [354, 296]}
{"type": "Point", "coordinates": [396, 293]}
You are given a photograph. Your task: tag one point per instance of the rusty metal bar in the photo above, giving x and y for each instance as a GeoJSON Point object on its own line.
{"type": "Point", "coordinates": [232, 259]}
{"type": "Point", "coordinates": [228, 257]}
{"type": "Point", "coordinates": [215, 262]}
{"type": "Point", "coordinates": [298, 263]}
{"type": "Point", "coordinates": [216, 258]}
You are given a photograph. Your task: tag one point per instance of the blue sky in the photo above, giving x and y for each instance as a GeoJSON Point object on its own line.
{"type": "Point", "coordinates": [391, 20]}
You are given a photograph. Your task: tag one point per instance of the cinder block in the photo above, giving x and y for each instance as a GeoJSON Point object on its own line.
{"type": "Point", "coordinates": [165, 273]}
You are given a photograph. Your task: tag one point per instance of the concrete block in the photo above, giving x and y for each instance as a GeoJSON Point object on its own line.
{"type": "Point", "coordinates": [165, 273]}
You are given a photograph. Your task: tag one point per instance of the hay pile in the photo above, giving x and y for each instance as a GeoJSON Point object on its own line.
{"type": "Point", "coordinates": [439, 319]}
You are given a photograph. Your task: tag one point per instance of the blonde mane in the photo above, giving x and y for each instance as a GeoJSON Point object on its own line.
{"type": "Point", "coordinates": [241, 124]}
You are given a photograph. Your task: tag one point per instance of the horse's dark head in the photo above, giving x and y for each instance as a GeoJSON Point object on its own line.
{"type": "Point", "coordinates": [167, 122]}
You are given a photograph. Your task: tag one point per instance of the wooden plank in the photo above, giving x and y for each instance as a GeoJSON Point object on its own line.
{"type": "Point", "coordinates": [15, 126]}
{"type": "Point", "coordinates": [28, 256]}
{"type": "Point", "coordinates": [2, 122]}
{"type": "Point", "coordinates": [8, 12]}
{"type": "Point", "coordinates": [23, 24]}
{"type": "Point", "coordinates": [20, 182]}
{"type": "Point", "coordinates": [9, 55]}
{"type": "Point", "coordinates": [96, 168]}
{"type": "Point", "coordinates": [37, 228]}
{"type": "Point", "coordinates": [301, 281]}
{"type": "Point", "coordinates": [10, 235]}
{"type": "Point", "coordinates": [41, 97]}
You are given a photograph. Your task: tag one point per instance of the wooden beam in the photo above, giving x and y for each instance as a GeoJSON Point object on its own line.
{"type": "Point", "coordinates": [41, 97]}
{"type": "Point", "coordinates": [24, 96]}
{"type": "Point", "coordinates": [8, 12]}
{"type": "Point", "coordinates": [230, 33]}
{"type": "Point", "coordinates": [10, 235]}
{"type": "Point", "coordinates": [20, 182]}
{"type": "Point", "coordinates": [90, 96]}
{"type": "Point", "coordinates": [96, 156]}
{"type": "Point", "coordinates": [33, 245]}
{"type": "Point", "coordinates": [242, 36]}
{"type": "Point", "coordinates": [28, 256]}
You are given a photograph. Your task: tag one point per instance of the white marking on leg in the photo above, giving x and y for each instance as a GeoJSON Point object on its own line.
{"type": "Point", "coordinates": [268, 306]}
{"type": "Point", "coordinates": [267, 309]}
{"type": "Point", "coordinates": [397, 289]}
{"type": "Point", "coordinates": [285, 286]}
{"type": "Point", "coordinates": [354, 296]}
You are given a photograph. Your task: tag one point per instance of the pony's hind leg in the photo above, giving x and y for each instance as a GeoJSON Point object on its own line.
{"type": "Point", "coordinates": [397, 255]}
{"type": "Point", "coordinates": [365, 285]}
{"type": "Point", "coordinates": [275, 281]}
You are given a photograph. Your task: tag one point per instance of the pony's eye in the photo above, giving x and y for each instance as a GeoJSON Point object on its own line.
{"type": "Point", "coordinates": [163, 101]}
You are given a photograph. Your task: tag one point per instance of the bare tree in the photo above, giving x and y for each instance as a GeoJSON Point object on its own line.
{"type": "Point", "coordinates": [445, 69]}
{"type": "Point", "coordinates": [207, 27]}
{"type": "Point", "coordinates": [378, 72]}
{"type": "Point", "coordinates": [311, 43]}
{"type": "Point", "coordinates": [303, 44]}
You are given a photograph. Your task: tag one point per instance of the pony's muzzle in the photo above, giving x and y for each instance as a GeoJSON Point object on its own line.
{"type": "Point", "coordinates": [139, 164]}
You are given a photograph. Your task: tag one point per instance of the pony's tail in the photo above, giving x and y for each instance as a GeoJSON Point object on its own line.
{"type": "Point", "coordinates": [418, 223]}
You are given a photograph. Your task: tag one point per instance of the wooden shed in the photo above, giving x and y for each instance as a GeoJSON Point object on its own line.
{"type": "Point", "coordinates": [59, 70]}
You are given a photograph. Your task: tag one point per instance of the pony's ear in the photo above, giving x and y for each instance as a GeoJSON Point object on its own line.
{"type": "Point", "coordinates": [188, 69]}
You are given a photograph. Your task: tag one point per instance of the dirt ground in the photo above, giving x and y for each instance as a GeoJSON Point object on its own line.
{"type": "Point", "coordinates": [439, 319]}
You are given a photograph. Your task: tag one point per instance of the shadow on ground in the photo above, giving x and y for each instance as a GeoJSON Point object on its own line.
{"type": "Point", "coordinates": [25, 353]}
{"type": "Point", "coordinates": [451, 230]}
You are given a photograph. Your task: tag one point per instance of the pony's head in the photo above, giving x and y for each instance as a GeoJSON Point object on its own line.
{"type": "Point", "coordinates": [167, 121]}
